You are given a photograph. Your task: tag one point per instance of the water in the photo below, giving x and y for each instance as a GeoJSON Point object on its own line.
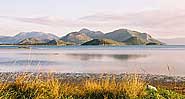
{"type": "Point", "coordinates": [168, 60]}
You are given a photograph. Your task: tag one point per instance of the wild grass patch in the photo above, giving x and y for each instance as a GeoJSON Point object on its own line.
{"type": "Point", "coordinates": [132, 87]}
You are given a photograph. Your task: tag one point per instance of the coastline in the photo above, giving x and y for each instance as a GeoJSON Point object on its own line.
{"type": "Point", "coordinates": [11, 76]}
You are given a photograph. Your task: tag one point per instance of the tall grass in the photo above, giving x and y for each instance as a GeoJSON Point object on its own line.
{"type": "Point", "coordinates": [25, 87]}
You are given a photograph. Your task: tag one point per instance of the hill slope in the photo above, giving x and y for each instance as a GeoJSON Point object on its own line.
{"type": "Point", "coordinates": [132, 37]}
{"type": "Point", "coordinates": [103, 42]}
{"type": "Point", "coordinates": [76, 37]}
{"type": "Point", "coordinates": [38, 35]}
{"type": "Point", "coordinates": [92, 34]}
{"type": "Point", "coordinates": [58, 43]}
{"type": "Point", "coordinates": [31, 41]}
{"type": "Point", "coordinates": [26, 35]}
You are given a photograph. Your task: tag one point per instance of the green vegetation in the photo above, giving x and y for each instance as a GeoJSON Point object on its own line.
{"type": "Point", "coordinates": [135, 41]}
{"type": "Point", "coordinates": [59, 43]}
{"type": "Point", "coordinates": [103, 42]}
{"type": "Point", "coordinates": [25, 87]}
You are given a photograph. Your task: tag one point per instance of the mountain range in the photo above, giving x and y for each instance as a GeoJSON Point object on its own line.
{"type": "Point", "coordinates": [27, 36]}
{"type": "Point", "coordinates": [83, 37]}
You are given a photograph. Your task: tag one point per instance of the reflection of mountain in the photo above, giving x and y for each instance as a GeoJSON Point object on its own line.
{"type": "Point", "coordinates": [128, 56]}
{"type": "Point", "coordinates": [121, 57]}
{"type": "Point", "coordinates": [30, 63]}
{"type": "Point", "coordinates": [86, 56]}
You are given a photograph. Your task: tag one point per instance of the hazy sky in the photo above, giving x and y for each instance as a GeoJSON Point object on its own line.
{"type": "Point", "coordinates": [160, 18]}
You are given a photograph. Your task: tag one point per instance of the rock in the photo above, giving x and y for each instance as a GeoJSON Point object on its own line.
{"type": "Point", "coordinates": [152, 88]}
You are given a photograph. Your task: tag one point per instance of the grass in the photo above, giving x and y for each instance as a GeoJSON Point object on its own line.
{"type": "Point", "coordinates": [132, 87]}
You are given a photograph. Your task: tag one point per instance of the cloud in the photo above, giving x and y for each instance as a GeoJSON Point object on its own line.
{"type": "Point", "coordinates": [145, 18]}
{"type": "Point", "coordinates": [49, 20]}
{"type": "Point", "coordinates": [171, 4]}
{"type": "Point", "coordinates": [160, 23]}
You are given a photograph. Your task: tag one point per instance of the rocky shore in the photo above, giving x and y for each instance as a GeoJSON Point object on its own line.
{"type": "Point", "coordinates": [11, 76]}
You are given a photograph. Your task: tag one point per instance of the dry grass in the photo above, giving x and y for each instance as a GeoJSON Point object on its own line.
{"type": "Point", "coordinates": [38, 88]}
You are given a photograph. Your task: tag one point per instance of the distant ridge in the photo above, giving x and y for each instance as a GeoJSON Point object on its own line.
{"type": "Point", "coordinates": [31, 41]}
{"type": "Point", "coordinates": [83, 37]}
{"type": "Point", "coordinates": [38, 35]}
{"type": "Point", "coordinates": [76, 37]}
{"type": "Point", "coordinates": [132, 37]}
{"type": "Point", "coordinates": [26, 35]}
{"type": "Point", "coordinates": [92, 34]}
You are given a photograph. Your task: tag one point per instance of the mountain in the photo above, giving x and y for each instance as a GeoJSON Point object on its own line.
{"type": "Point", "coordinates": [174, 41]}
{"type": "Point", "coordinates": [135, 41]}
{"type": "Point", "coordinates": [26, 35]}
{"type": "Point", "coordinates": [4, 36]}
{"type": "Point", "coordinates": [84, 36]}
{"type": "Point", "coordinates": [58, 43]}
{"type": "Point", "coordinates": [31, 41]}
{"type": "Point", "coordinates": [39, 35]}
{"type": "Point", "coordinates": [132, 37]}
{"type": "Point", "coordinates": [6, 40]}
{"type": "Point", "coordinates": [92, 34]}
{"type": "Point", "coordinates": [103, 42]}
{"type": "Point", "coordinates": [36, 41]}
{"type": "Point", "coordinates": [120, 35]}
{"type": "Point", "coordinates": [76, 37]}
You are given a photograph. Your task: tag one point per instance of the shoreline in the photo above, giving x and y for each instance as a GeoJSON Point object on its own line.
{"type": "Point", "coordinates": [11, 76]}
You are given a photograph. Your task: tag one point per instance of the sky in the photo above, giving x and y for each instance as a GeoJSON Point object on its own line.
{"type": "Point", "coordinates": [160, 18]}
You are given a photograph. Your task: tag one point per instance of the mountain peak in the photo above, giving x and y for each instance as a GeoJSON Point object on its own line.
{"type": "Point", "coordinates": [84, 30]}
{"type": "Point", "coordinates": [92, 34]}
{"type": "Point", "coordinates": [32, 33]}
{"type": "Point", "coordinates": [121, 30]}
{"type": "Point", "coordinates": [39, 35]}
{"type": "Point", "coordinates": [131, 37]}
{"type": "Point", "coordinates": [76, 37]}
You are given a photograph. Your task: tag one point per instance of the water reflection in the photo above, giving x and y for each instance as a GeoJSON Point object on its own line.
{"type": "Point", "coordinates": [128, 57]}
{"type": "Point", "coordinates": [85, 57]}
{"type": "Point", "coordinates": [29, 62]}
{"type": "Point", "coordinates": [38, 54]}
{"type": "Point", "coordinates": [122, 57]}
{"type": "Point", "coordinates": [96, 60]}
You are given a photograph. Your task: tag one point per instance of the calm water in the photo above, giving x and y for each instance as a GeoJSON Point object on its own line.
{"type": "Point", "coordinates": [95, 59]}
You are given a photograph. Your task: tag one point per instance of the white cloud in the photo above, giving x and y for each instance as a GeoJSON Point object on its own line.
{"type": "Point", "coordinates": [172, 4]}
{"type": "Point", "coordinates": [160, 23]}
{"type": "Point", "coordinates": [166, 23]}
